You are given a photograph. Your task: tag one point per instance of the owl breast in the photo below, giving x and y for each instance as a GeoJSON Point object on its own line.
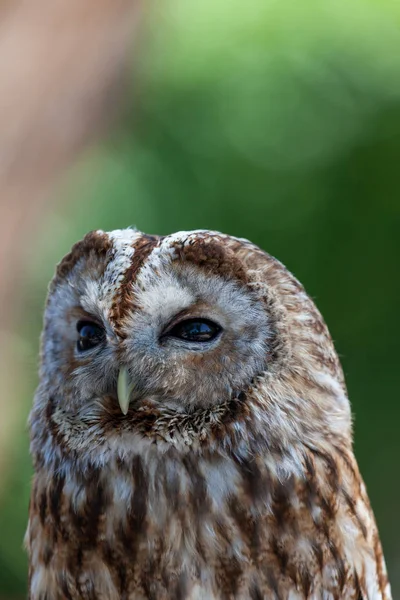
{"type": "Point", "coordinates": [171, 526]}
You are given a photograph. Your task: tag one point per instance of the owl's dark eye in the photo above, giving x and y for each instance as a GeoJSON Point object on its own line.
{"type": "Point", "coordinates": [195, 330]}
{"type": "Point", "coordinates": [90, 335]}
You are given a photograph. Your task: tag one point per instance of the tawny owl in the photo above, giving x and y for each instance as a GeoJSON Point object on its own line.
{"type": "Point", "coordinates": [191, 433]}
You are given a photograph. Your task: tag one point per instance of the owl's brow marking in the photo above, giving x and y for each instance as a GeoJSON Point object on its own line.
{"type": "Point", "coordinates": [124, 298]}
{"type": "Point", "coordinates": [212, 255]}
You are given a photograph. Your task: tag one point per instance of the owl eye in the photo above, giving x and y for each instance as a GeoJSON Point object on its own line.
{"type": "Point", "coordinates": [195, 330]}
{"type": "Point", "coordinates": [90, 335]}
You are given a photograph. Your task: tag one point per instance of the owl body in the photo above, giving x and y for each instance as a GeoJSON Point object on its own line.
{"type": "Point", "coordinates": [191, 432]}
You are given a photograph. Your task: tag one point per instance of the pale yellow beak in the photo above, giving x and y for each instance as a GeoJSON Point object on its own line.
{"type": "Point", "coordinates": [124, 389]}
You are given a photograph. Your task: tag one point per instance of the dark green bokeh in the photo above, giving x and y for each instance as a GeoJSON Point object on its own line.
{"type": "Point", "coordinates": [279, 123]}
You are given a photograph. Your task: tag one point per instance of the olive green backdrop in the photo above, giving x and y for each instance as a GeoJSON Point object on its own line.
{"type": "Point", "coordinates": [279, 122]}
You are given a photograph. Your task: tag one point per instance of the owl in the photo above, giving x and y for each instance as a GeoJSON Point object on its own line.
{"type": "Point", "coordinates": [191, 433]}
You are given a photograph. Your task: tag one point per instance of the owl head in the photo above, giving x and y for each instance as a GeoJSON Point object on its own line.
{"type": "Point", "coordinates": [195, 340]}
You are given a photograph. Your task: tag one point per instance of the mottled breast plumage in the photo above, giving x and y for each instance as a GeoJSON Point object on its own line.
{"type": "Point", "coordinates": [191, 432]}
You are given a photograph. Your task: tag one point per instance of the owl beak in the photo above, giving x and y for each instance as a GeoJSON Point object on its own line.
{"type": "Point", "coordinates": [124, 389]}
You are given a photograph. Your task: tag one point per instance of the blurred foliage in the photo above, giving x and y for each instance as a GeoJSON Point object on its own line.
{"type": "Point", "coordinates": [273, 120]}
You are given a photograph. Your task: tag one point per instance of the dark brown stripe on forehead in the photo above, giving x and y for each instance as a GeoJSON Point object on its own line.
{"type": "Point", "coordinates": [213, 255]}
{"type": "Point", "coordinates": [123, 301]}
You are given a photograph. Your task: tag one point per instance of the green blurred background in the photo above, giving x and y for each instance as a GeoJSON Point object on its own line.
{"type": "Point", "coordinates": [275, 121]}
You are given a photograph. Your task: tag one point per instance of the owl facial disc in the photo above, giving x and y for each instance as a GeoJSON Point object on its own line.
{"type": "Point", "coordinates": [124, 389]}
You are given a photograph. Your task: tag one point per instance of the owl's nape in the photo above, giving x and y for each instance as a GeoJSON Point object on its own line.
{"type": "Point", "coordinates": [191, 432]}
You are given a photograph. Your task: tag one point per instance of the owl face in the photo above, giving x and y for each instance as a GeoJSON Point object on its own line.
{"type": "Point", "coordinates": [169, 322]}
{"type": "Point", "coordinates": [143, 334]}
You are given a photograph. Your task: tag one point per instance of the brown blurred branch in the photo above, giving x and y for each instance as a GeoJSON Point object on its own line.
{"type": "Point", "coordinates": [61, 68]}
